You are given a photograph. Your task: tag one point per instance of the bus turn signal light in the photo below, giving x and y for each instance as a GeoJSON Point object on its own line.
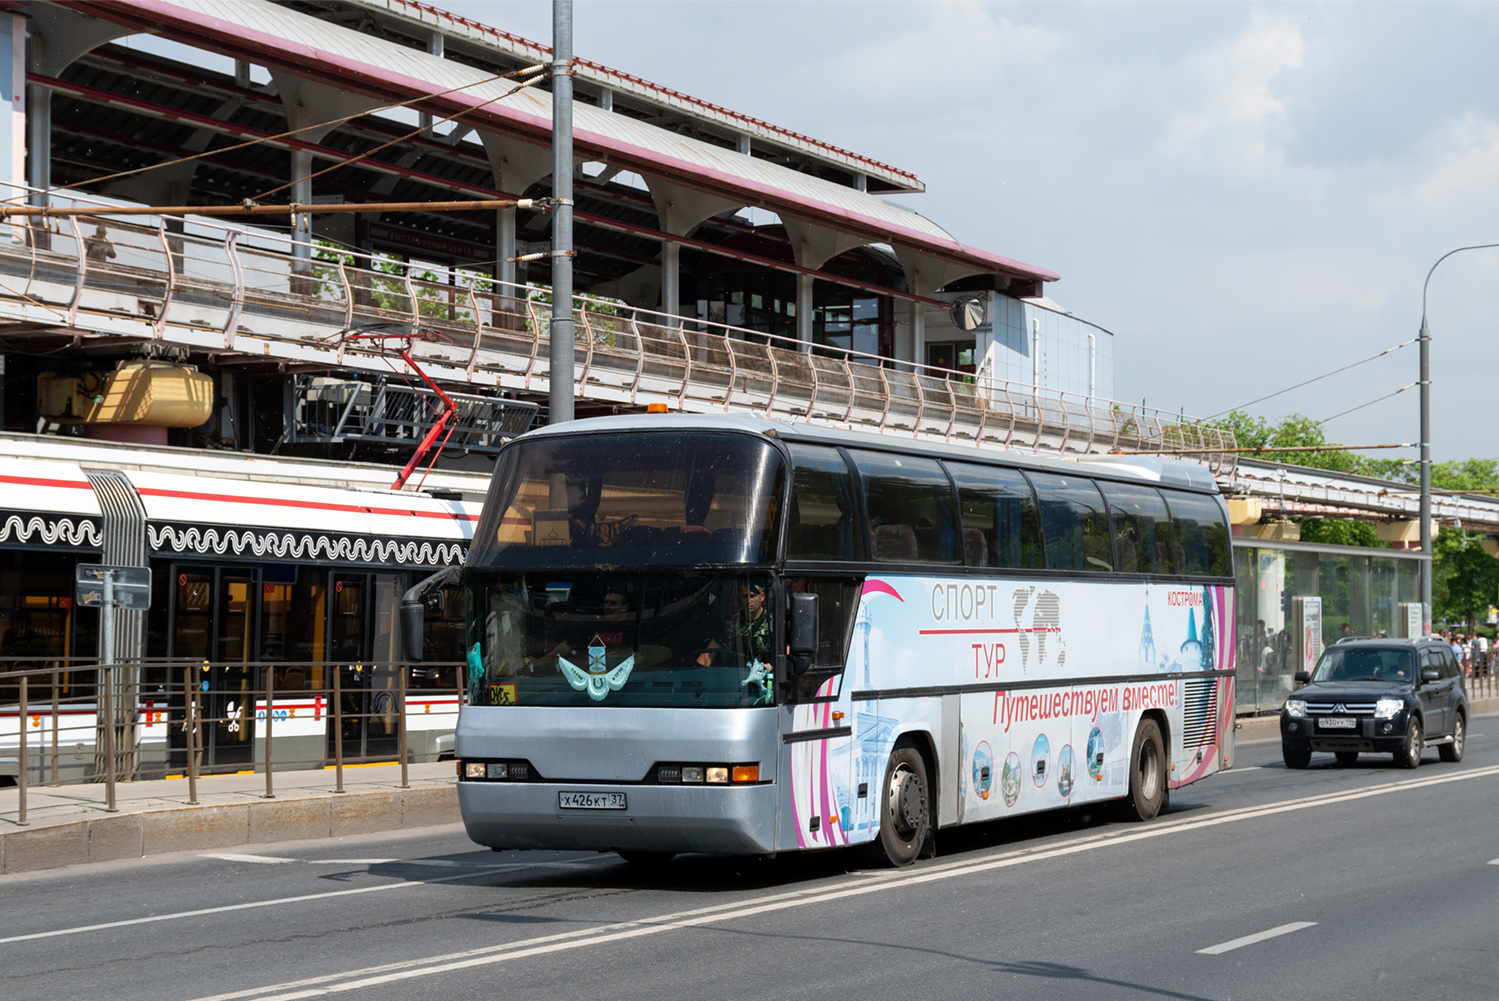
{"type": "Point", "coordinates": [746, 773]}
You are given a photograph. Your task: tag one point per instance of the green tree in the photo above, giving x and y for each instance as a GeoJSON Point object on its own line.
{"type": "Point", "coordinates": [1294, 430]}
{"type": "Point", "coordinates": [1340, 532]}
{"type": "Point", "coordinates": [1464, 578]}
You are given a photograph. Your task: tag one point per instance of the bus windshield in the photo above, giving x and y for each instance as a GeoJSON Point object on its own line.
{"type": "Point", "coordinates": [631, 499]}
{"type": "Point", "coordinates": [637, 640]}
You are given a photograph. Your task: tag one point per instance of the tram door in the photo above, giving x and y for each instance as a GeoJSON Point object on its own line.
{"type": "Point", "coordinates": [215, 617]}
{"type": "Point", "coordinates": [365, 648]}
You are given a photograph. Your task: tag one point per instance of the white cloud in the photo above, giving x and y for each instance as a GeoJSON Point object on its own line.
{"type": "Point", "coordinates": [1236, 117]}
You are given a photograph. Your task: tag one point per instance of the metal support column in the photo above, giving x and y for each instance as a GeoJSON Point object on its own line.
{"type": "Point", "coordinates": [671, 282]}
{"type": "Point", "coordinates": [560, 378]}
{"type": "Point", "coordinates": [804, 309]}
{"type": "Point", "coordinates": [301, 223]}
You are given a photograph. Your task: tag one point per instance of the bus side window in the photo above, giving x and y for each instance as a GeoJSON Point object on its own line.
{"type": "Point", "coordinates": [1073, 523]}
{"type": "Point", "coordinates": [1000, 525]}
{"type": "Point", "coordinates": [820, 524]}
{"type": "Point", "coordinates": [910, 507]}
{"type": "Point", "coordinates": [1201, 531]}
{"type": "Point", "coordinates": [1142, 528]}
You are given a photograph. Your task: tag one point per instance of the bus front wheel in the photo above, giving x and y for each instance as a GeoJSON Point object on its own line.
{"type": "Point", "coordinates": [1147, 773]}
{"type": "Point", "coordinates": [905, 812]}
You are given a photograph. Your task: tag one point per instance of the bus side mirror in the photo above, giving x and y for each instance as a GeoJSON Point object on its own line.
{"type": "Point", "coordinates": [425, 594]}
{"type": "Point", "coordinates": [413, 615]}
{"type": "Point", "coordinates": [802, 636]}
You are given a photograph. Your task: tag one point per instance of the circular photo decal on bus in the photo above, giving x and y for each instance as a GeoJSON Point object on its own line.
{"type": "Point", "coordinates": [1064, 771]}
{"type": "Point", "coordinates": [1040, 760]}
{"type": "Point", "coordinates": [1009, 779]}
{"type": "Point", "coordinates": [1095, 754]}
{"type": "Point", "coordinates": [983, 769]}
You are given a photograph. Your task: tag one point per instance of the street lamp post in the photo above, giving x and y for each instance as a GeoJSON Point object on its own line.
{"type": "Point", "coordinates": [1426, 438]}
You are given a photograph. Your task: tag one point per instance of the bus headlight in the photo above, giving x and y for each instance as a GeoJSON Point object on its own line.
{"type": "Point", "coordinates": [1295, 708]}
{"type": "Point", "coordinates": [718, 775]}
{"type": "Point", "coordinates": [475, 769]}
{"type": "Point", "coordinates": [1388, 708]}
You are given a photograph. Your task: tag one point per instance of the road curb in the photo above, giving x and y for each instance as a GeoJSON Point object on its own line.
{"type": "Point", "coordinates": [1252, 728]}
{"type": "Point", "coordinates": [111, 837]}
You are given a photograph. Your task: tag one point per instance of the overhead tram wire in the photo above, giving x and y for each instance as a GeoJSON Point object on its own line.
{"type": "Point", "coordinates": [1325, 375]}
{"type": "Point", "coordinates": [545, 70]}
{"type": "Point", "coordinates": [1371, 403]}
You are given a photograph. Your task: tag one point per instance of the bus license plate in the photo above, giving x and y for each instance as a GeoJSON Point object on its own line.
{"type": "Point", "coordinates": [591, 800]}
{"type": "Point", "coordinates": [1340, 723]}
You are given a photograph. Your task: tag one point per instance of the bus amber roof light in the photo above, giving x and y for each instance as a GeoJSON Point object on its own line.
{"type": "Point", "coordinates": [655, 408]}
{"type": "Point", "coordinates": [746, 773]}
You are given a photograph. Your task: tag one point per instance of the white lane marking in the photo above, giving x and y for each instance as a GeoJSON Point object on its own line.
{"type": "Point", "coordinates": [237, 907]}
{"type": "Point", "coordinates": [1247, 768]}
{"type": "Point", "coordinates": [600, 935]}
{"type": "Point", "coordinates": [1239, 943]}
{"type": "Point", "coordinates": [1495, 862]}
{"type": "Point", "coordinates": [448, 864]}
{"type": "Point", "coordinates": [262, 859]}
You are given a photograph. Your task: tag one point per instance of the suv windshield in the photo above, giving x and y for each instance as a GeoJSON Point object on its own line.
{"type": "Point", "coordinates": [1395, 664]}
{"type": "Point", "coordinates": [639, 640]}
{"type": "Point", "coordinates": [638, 498]}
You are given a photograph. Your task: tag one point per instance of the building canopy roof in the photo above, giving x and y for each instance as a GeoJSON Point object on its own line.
{"type": "Point", "coordinates": [295, 43]}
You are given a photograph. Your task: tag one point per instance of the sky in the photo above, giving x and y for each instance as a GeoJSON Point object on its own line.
{"type": "Point", "coordinates": [1246, 195]}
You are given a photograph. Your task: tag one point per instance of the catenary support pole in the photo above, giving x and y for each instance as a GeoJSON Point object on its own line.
{"type": "Point", "coordinates": [560, 377]}
{"type": "Point", "coordinates": [1426, 550]}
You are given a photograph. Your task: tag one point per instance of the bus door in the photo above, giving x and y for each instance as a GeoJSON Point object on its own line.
{"type": "Point", "coordinates": [215, 620]}
{"type": "Point", "coordinates": [363, 646]}
{"type": "Point", "coordinates": [822, 759]}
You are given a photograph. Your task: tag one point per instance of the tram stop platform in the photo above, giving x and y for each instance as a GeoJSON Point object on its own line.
{"type": "Point", "coordinates": [69, 825]}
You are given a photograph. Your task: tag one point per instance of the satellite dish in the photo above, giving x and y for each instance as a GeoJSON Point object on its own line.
{"type": "Point", "coordinates": [968, 312]}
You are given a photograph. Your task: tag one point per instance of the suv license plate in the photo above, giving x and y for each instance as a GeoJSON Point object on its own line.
{"type": "Point", "coordinates": [1339, 723]}
{"type": "Point", "coordinates": [591, 800]}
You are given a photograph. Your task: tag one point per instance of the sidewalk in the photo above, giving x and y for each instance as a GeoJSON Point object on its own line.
{"type": "Point", "coordinates": [68, 824]}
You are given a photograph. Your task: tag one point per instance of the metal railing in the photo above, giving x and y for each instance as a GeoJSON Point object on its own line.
{"type": "Point", "coordinates": [226, 289]}
{"type": "Point", "coordinates": [80, 722]}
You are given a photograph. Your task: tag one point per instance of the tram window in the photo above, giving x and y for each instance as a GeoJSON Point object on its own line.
{"type": "Point", "coordinates": [1201, 534]}
{"type": "Point", "coordinates": [821, 521]}
{"type": "Point", "coordinates": [1142, 528]}
{"type": "Point", "coordinates": [910, 507]}
{"type": "Point", "coordinates": [1073, 523]}
{"type": "Point", "coordinates": [1000, 524]}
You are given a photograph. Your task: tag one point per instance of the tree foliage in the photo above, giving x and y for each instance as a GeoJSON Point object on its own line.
{"type": "Point", "coordinates": [1464, 578]}
{"type": "Point", "coordinates": [1294, 430]}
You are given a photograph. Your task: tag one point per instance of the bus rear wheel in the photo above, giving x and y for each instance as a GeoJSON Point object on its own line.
{"type": "Point", "coordinates": [1147, 774]}
{"type": "Point", "coordinates": [905, 812]}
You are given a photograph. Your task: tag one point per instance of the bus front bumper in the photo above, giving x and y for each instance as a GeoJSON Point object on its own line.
{"type": "Point", "coordinates": [734, 820]}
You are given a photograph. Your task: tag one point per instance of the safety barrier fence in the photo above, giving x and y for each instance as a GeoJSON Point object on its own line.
{"type": "Point", "coordinates": [233, 291]}
{"type": "Point", "coordinates": [72, 722]}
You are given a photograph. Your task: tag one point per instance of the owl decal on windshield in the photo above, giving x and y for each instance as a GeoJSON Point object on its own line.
{"type": "Point", "coordinates": [599, 680]}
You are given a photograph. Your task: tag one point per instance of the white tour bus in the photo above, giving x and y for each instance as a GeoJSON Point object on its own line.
{"type": "Point", "coordinates": [700, 634]}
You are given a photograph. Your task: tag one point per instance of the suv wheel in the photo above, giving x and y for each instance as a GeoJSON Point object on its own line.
{"type": "Point", "coordinates": [1454, 750]}
{"type": "Point", "coordinates": [1296, 757]}
{"type": "Point", "coordinates": [1409, 756]}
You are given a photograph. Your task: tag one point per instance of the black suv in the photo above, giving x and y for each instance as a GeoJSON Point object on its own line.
{"type": "Point", "coordinates": [1397, 696]}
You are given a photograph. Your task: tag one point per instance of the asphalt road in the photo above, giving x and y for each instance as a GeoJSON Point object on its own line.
{"type": "Point", "coordinates": [1365, 882]}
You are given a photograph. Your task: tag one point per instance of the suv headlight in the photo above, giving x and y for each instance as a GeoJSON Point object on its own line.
{"type": "Point", "coordinates": [1388, 708]}
{"type": "Point", "coordinates": [1295, 708]}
